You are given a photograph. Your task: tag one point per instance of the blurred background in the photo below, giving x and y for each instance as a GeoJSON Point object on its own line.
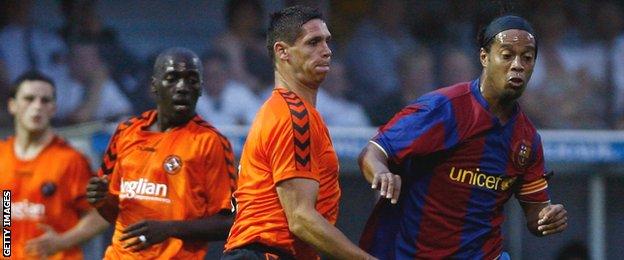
{"type": "Point", "coordinates": [386, 53]}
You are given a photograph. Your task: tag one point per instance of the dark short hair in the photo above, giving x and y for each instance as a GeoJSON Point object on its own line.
{"type": "Point", "coordinates": [32, 75]}
{"type": "Point", "coordinates": [234, 5]}
{"type": "Point", "coordinates": [502, 23]}
{"type": "Point", "coordinates": [285, 25]}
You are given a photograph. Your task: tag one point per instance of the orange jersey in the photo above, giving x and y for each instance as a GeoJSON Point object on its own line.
{"type": "Point", "coordinates": [288, 139]}
{"type": "Point", "coordinates": [183, 174]}
{"type": "Point", "coordinates": [49, 189]}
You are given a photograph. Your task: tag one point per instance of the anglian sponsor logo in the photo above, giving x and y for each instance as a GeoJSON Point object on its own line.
{"type": "Point", "coordinates": [26, 210]}
{"type": "Point", "coordinates": [6, 223]}
{"type": "Point", "coordinates": [481, 179]}
{"type": "Point", "coordinates": [143, 189]}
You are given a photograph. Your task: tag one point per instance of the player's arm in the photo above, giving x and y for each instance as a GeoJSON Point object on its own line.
{"type": "Point", "coordinates": [106, 204]}
{"type": "Point", "coordinates": [542, 217]}
{"type": "Point", "coordinates": [298, 198]}
{"type": "Point", "coordinates": [374, 166]}
{"type": "Point", "coordinates": [89, 225]}
{"type": "Point", "coordinates": [51, 242]}
{"type": "Point", "coordinates": [99, 188]}
{"type": "Point", "coordinates": [213, 228]}
{"type": "Point", "coordinates": [545, 219]}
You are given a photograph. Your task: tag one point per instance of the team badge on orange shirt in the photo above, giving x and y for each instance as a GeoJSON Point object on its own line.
{"type": "Point", "coordinates": [522, 153]}
{"type": "Point", "coordinates": [48, 188]}
{"type": "Point", "coordinates": [172, 164]}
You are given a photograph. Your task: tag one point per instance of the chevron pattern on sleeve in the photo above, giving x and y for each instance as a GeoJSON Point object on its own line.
{"type": "Point", "coordinates": [301, 129]}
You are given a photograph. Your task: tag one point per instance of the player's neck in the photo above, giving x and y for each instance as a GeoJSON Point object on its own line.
{"type": "Point", "coordinates": [165, 121]}
{"type": "Point", "coordinates": [502, 112]}
{"type": "Point", "coordinates": [287, 81]}
{"type": "Point", "coordinates": [29, 144]}
{"type": "Point", "coordinates": [501, 108]}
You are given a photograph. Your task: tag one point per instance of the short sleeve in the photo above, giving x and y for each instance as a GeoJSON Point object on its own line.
{"type": "Point", "coordinates": [288, 140]}
{"type": "Point", "coordinates": [76, 178]}
{"type": "Point", "coordinates": [109, 162]}
{"type": "Point", "coordinates": [220, 176]}
{"type": "Point", "coordinates": [534, 186]}
{"type": "Point", "coordinates": [417, 130]}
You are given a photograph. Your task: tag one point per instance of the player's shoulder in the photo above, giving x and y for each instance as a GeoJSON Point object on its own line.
{"type": "Point", "coordinates": [63, 150]}
{"type": "Point", "coordinates": [285, 104]}
{"type": "Point", "coordinates": [445, 97]}
{"type": "Point", "coordinates": [281, 101]}
{"type": "Point", "coordinates": [201, 128]}
{"type": "Point", "coordinates": [5, 143]}
{"type": "Point", "coordinates": [137, 120]}
{"type": "Point", "coordinates": [525, 122]}
{"type": "Point", "coordinates": [134, 123]}
{"type": "Point", "coordinates": [279, 109]}
{"type": "Point", "coordinates": [5, 140]}
{"type": "Point", "coordinates": [459, 90]}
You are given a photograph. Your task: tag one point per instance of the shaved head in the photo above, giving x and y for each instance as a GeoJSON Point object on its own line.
{"type": "Point", "coordinates": [176, 59]}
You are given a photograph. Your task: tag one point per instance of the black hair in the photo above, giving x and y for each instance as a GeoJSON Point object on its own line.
{"type": "Point", "coordinates": [32, 75]}
{"type": "Point", "coordinates": [285, 25]}
{"type": "Point", "coordinates": [234, 5]}
{"type": "Point", "coordinates": [503, 23]}
{"type": "Point", "coordinates": [482, 42]}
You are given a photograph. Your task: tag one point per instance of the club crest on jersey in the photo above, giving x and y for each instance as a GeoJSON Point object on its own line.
{"type": "Point", "coordinates": [522, 154]}
{"type": "Point", "coordinates": [48, 188]}
{"type": "Point", "coordinates": [172, 164]}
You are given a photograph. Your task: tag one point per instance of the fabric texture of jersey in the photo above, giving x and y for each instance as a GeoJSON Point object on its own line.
{"type": "Point", "coordinates": [182, 174]}
{"type": "Point", "coordinates": [459, 165]}
{"type": "Point", "coordinates": [288, 139]}
{"type": "Point", "coordinates": [49, 189]}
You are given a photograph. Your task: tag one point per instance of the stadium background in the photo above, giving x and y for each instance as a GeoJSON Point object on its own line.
{"type": "Point", "coordinates": [584, 146]}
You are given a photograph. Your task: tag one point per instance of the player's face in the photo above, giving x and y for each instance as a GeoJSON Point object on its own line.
{"type": "Point", "coordinates": [311, 55]}
{"type": "Point", "coordinates": [509, 63]}
{"type": "Point", "coordinates": [33, 106]}
{"type": "Point", "coordinates": [177, 85]}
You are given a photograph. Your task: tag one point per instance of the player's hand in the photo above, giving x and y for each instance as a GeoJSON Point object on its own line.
{"type": "Point", "coordinates": [552, 219]}
{"type": "Point", "coordinates": [151, 231]}
{"type": "Point", "coordinates": [47, 244]}
{"type": "Point", "coordinates": [388, 184]}
{"type": "Point", "coordinates": [97, 190]}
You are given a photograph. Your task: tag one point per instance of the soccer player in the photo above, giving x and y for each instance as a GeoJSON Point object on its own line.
{"type": "Point", "coordinates": [288, 189]}
{"type": "Point", "coordinates": [167, 177]}
{"type": "Point", "coordinates": [50, 216]}
{"type": "Point", "coordinates": [456, 155]}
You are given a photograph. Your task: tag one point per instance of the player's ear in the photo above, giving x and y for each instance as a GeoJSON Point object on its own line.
{"type": "Point", "coordinates": [280, 49]}
{"type": "Point", "coordinates": [483, 57]}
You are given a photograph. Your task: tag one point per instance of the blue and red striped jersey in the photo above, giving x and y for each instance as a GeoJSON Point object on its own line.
{"type": "Point", "coordinates": [459, 165]}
